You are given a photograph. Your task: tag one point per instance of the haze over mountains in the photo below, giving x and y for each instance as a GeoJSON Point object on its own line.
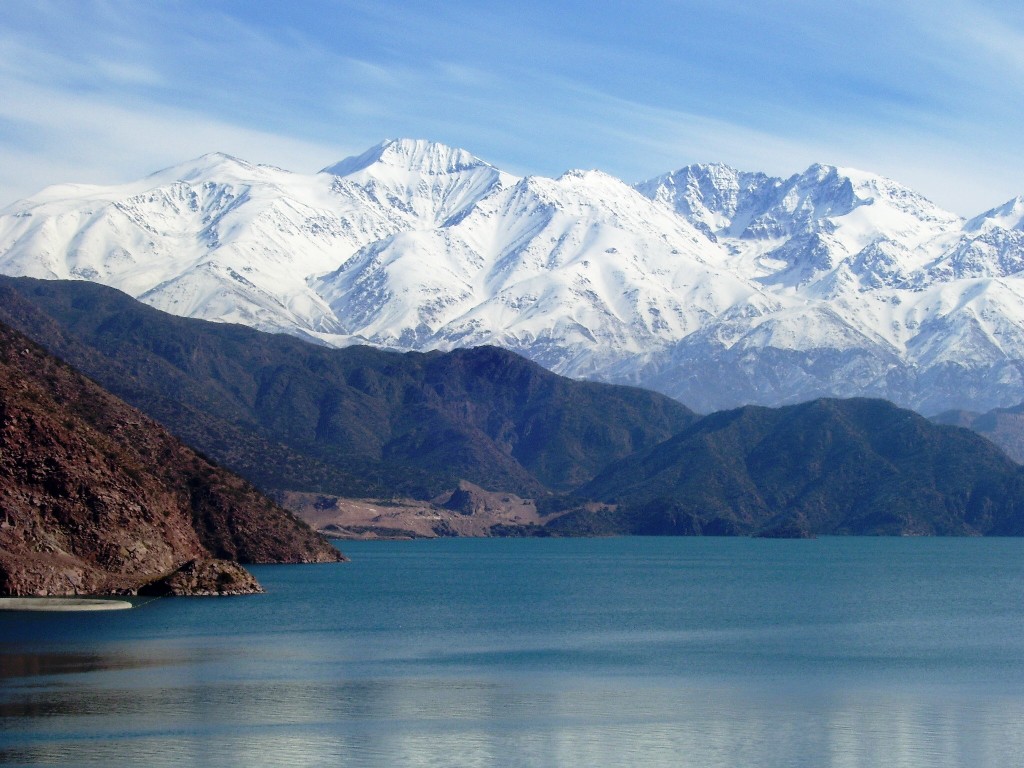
{"type": "Point", "coordinates": [715, 286]}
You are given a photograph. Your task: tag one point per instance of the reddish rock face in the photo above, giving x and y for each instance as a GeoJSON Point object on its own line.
{"type": "Point", "coordinates": [205, 577]}
{"type": "Point", "coordinates": [97, 498]}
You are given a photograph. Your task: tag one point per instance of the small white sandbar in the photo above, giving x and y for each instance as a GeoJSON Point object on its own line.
{"type": "Point", "coordinates": [61, 604]}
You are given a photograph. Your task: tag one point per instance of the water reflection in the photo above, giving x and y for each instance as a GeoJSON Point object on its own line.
{"type": "Point", "coordinates": [40, 664]}
{"type": "Point", "coordinates": [171, 717]}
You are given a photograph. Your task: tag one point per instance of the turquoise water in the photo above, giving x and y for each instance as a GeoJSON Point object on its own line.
{"type": "Point", "coordinates": [531, 652]}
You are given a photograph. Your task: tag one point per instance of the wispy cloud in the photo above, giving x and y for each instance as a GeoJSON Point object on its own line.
{"type": "Point", "coordinates": [930, 94]}
{"type": "Point", "coordinates": [54, 137]}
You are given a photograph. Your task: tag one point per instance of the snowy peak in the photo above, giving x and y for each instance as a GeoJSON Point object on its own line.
{"type": "Point", "coordinates": [754, 206]}
{"type": "Point", "coordinates": [211, 162]}
{"type": "Point", "coordinates": [589, 176]}
{"type": "Point", "coordinates": [1009, 215]}
{"type": "Point", "coordinates": [562, 263]}
{"type": "Point", "coordinates": [804, 203]}
{"type": "Point", "coordinates": [991, 245]}
{"type": "Point", "coordinates": [580, 212]}
{"type": "Point", "coordinates": [218, 167]}
{"type": "Point", "coordinates": [873, 189]}
{"type": "Point", "coordinates": [430, 183]}
{"type": "Point", "coordinates": [586, 190]}
{"type": "Point", "coordinates": [828, 230]}
{"type": "Point", "coordinates": [709, 195]}
{"type": "Point", "coordinates": [413, 155]}
{"type": "Point", "coordinates": [822, 191]}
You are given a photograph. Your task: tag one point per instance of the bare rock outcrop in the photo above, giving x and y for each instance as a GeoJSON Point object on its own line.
{"type": "Point", "coordinates": [205, 577]}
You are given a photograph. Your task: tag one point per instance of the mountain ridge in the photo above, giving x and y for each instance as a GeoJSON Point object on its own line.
{"type": "Point", "coordinates": [311, 423]}
{"type": "Point", "coordinates": [825, 467]}
{"type": "Point", "coordinates": [292, 415]}
{"type": "Point", "coordinates": [830, 282]}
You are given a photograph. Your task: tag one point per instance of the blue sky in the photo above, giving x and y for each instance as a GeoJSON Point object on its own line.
{"type": "Point", "coordinates": [928, 93]}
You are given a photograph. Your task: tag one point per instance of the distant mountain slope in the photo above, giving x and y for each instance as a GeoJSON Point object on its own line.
{"type": "Point", "coordinates": [824, 467]}
{"type": "Point", "coordinates": [1003, 426]}
{"type": "Point", "coordinates": [291, 415]}
{"type": "Point", "coordinates": [716, 286]}
{"type": "Point", "coordinates": [95, 497]}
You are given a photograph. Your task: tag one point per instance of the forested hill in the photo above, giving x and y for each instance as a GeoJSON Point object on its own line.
{"type": "Point", "coordinates": [288, 414]}
{"type": "Point", "coordinates": [856, 466]}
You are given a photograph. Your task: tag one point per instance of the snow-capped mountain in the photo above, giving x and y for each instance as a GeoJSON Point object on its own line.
{"type": "Point", "coordinates": [554, 267]}
{"type": "Point", "coordinates": [428, 182]}
{"type": "Point", "coordinates": [222, 239]}
{"type": "Point", "coordinates": [716, 286]}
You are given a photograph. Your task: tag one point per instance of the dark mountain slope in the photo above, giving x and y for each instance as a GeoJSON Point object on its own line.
{"type": "Point", "coordinates": [291, 415]}
{"type": "Point", "coordinates": [95, 497]}
{"type": "Point", "coordinates": [829, 466]}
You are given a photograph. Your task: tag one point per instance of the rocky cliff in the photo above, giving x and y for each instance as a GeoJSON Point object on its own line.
{"type": "Point", "coordinates": [97, 498]}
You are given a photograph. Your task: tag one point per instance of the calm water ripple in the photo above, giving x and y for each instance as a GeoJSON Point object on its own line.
{"type": "Point", "coordinates": [707, 653]}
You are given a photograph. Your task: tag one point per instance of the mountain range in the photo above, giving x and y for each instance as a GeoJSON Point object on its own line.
{"type": "Point", "coordinates": [290, 415]}
{"type": "Point", "coordinates": [715, 286]}
{"type": "Point", "coordinates": [1003, 426]}
{"type": "Point", "coordinates": [293, 416]}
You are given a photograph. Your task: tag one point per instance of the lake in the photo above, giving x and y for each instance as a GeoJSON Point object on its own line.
{"type": "Point", "coordinates": [547, 652]}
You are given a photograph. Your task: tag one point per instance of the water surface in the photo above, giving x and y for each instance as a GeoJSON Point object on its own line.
{"type": "Point", "coordinates": [533, 652]}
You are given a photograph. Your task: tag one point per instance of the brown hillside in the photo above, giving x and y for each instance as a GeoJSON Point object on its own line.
{"type": "Point", "coordinates": [97, 498]}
